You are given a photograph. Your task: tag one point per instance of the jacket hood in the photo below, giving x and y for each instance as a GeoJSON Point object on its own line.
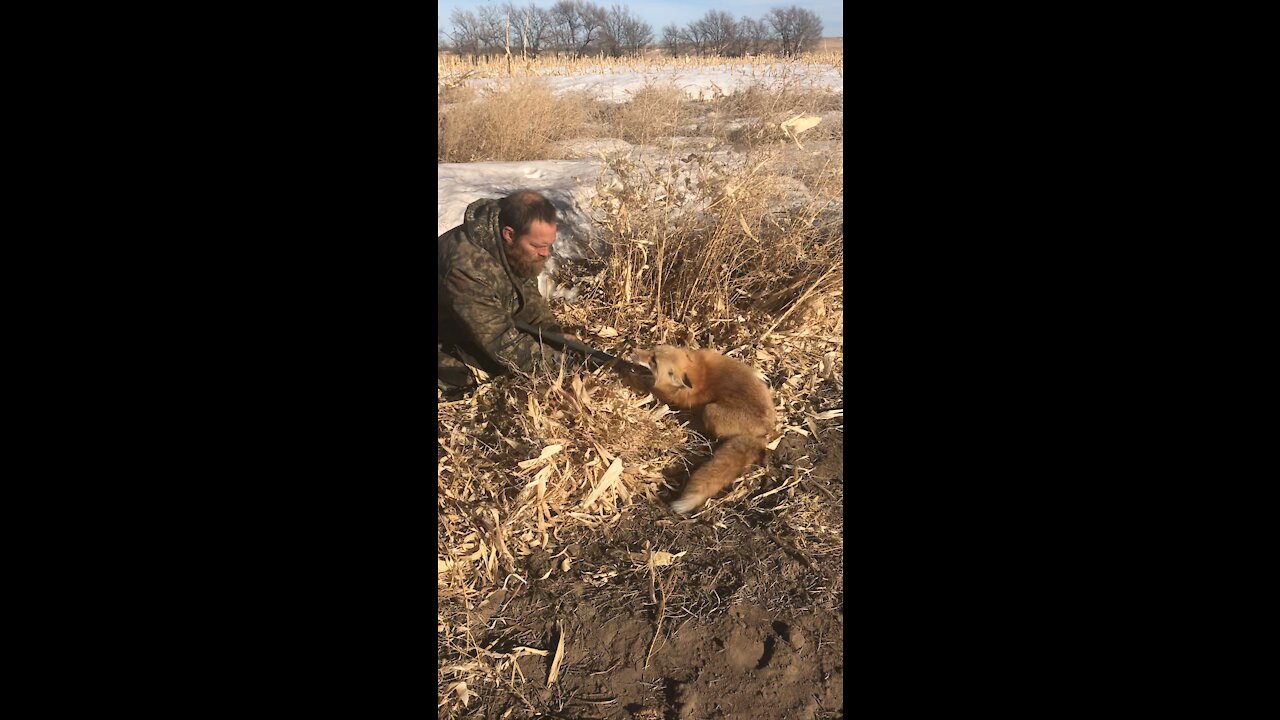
{"type": "Point", "coordinates": [485, 231]}
{"type": "Point", "coordinates": [483, 228]}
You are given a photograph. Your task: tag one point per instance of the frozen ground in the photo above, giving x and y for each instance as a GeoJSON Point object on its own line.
{"type": "Point", "coordinates": [568, 184]}
{"type": "Point", "coordinates": [571, 182]}
{"type": "Point", "coordinates": [755, 621]}
{"type": "Point", "coordinates": [697, 82]}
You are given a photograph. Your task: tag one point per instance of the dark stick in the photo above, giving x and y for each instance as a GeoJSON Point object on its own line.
{"type": "Point", "coordinates": [564, 342]}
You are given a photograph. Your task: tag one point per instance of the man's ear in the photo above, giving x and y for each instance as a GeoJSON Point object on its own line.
{"type": "Point", "coordinates": [508, 234]}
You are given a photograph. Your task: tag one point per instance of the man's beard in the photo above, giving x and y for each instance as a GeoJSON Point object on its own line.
{"type": "Point", "coordinates": [527, 268]}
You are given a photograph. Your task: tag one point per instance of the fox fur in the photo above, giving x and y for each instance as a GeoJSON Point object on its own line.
{"type": "Point", "coordinates": [735, 406]}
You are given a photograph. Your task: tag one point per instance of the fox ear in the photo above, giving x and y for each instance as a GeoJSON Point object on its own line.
{"type": "Point", "coordinates": [686, 381]}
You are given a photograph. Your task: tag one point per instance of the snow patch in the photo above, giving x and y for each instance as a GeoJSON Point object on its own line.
{"type": "Point", "coordinates": [703, 82]}
{"type": "Point", "coordinates": [570, 185]}
{"type": "Point", "coordinates": [592, 147]}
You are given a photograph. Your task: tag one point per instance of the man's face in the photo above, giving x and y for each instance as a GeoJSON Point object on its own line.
{"type": "Point", "coordinates": [528, 253]}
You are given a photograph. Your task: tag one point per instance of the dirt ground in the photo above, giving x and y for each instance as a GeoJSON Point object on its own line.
{"type": "Point", "coordinates": [751, 624]}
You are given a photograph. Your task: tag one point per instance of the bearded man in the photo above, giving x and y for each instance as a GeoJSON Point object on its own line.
{"type": "Point", "coordinates": [487, 278]}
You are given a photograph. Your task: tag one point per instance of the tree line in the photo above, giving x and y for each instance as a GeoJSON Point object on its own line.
{"type": "Point", "coordinates": [580, 28]}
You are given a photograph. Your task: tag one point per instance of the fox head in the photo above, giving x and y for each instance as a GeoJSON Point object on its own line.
{"type": "Point", "coordinates": [669, 364]}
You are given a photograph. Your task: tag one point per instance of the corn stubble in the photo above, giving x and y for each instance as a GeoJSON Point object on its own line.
{"type": "Point", "coordinates": [739, 251]}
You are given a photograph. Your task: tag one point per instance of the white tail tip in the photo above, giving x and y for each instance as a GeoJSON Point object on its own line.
{"type": "Point", "coordinates": [686, 505]}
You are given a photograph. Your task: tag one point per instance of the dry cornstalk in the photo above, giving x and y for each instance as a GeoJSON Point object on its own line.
{"type": "Point", "coordinates": [555, 663]}
{"type": "Point", "coordinates": [657, 629]}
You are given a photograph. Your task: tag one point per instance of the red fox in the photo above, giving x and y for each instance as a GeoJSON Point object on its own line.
{"type": "Point", "coordinates": [735, 407]}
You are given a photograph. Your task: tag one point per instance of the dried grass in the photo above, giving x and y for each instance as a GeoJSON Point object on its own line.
{"type": "Point", "coordinates": [540, 464]}
{"type": "Point", "coordinates": [654, 112]}
{"type": "Point", "coordinates": [502, 496]}
{"type": "Point", "coordinates": [448, 65]}
{"type": "Point", "coordinates": [516, 120]}
{"type": "Point", "coordinates": [713, 239]}
{"type": "Point", "coordinates": [738, 252]}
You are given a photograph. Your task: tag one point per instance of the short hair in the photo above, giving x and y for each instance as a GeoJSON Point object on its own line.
{"type": "Point", "coordinates": [519, 209]}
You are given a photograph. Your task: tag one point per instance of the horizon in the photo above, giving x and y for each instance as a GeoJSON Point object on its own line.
{"type": "Point", "coordinates": [831, 12]}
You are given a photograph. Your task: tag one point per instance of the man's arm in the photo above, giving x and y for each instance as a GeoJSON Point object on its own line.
{"type": "Point", "coordinates": [536, 310]}
{"type": "Point", "coordinates": [487, 321]}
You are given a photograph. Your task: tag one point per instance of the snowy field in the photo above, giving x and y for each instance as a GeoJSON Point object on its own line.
{"type": "Point", "coordinates": [703, 82]}
{"type": "Point", "coordinates": [572, 181]}
{"type": "Point", "coordinates": [568, 184]}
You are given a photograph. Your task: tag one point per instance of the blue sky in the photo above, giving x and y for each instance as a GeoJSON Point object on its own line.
{"type": "Point", "coordinates": [660, 12]}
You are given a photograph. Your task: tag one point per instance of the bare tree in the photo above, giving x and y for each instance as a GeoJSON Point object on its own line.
{"type": "Point", "coordinates": [636, 36]}
{"type": "Point", "coordinates": [593, 21]}
{"type": "Point", "coordinates": [611, 36]}
{"type": "Point", "coordinates": [808, 30]}
{"type": "Point", "coordinates": [714, 33]}
{"type": "Point", "coordinates": [578, 24]}
{"type": "Point", "coordinates": [753, 34]}
{"type": "Point", "coordinates": [624, 32]}
{"type": "Point", "coordinates": [694, 36]}
{"type": "Point", "coordinates": [532, 25]}
{"type": "Point", "coordinates": [465, 37]}
{"type": "Point", "coordinates": [783, 25]}
{"type": "Point", "coordinates": [797, 29]}
{"type": "Point", "coordinates": [672, 39]}
{"type": "Point", "coordinates": [565, 24]}
{"type": "Point", "coordinates": [580, 27]}
{"type": "Point", "coordinates": [493, 27]}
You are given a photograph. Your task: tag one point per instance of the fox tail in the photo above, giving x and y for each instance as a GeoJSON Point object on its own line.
{"type": "Point", "coordinates": [726, 464]}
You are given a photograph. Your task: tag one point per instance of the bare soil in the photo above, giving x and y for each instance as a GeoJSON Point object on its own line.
{"type": "Point", "coordinates": [751, 625]}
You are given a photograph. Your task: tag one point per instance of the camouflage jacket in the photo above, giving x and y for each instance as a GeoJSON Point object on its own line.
{"type": "Point", "coordinates": [480, 297]}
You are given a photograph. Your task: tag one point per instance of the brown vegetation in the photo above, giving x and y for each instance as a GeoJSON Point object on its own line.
{"type": "Point", "coordinates": [566, 586]}
{"type": "Point", "coordinates": [449, 65]}
{"type": "Point", "coordinates": [516, 121]}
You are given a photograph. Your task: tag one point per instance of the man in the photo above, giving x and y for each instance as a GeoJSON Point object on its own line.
{"type": "Point", "coordinates": [487, 270]}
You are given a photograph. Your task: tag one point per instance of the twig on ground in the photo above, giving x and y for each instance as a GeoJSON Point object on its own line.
{"type": "Point", "coordinates": [793, 551]}
{"type": "Point", "coordinates": [555, 664]}
{"type": "Point", "coordinates": [657, 629]}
